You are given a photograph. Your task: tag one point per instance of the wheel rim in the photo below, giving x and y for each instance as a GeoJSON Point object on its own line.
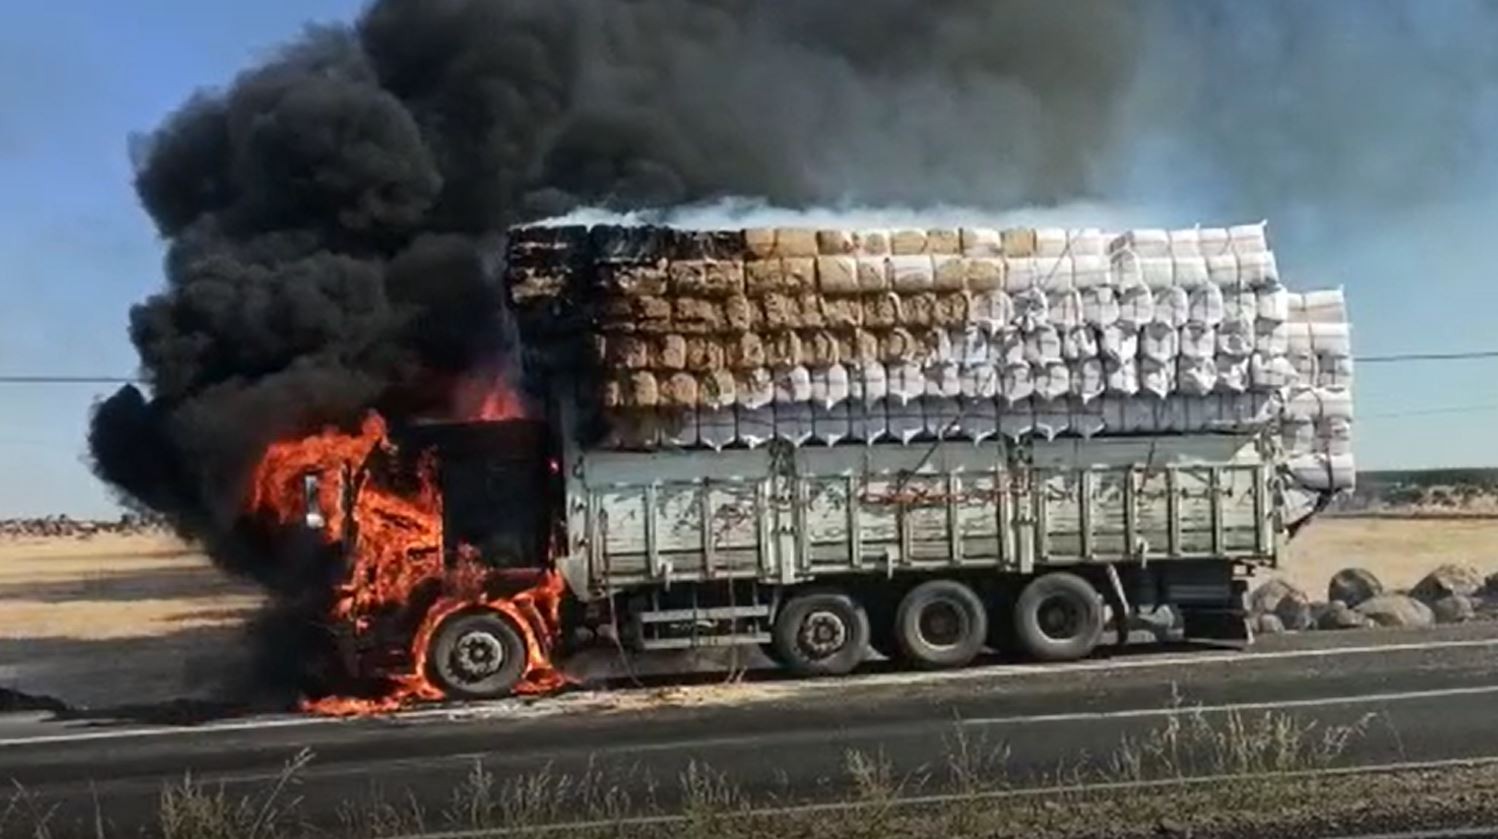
{"type": "Point", "coordinates": [822, 634]}
{"type": "Point", "coordinates": [1060, 618]}
{"type": "Point", "coordinates": [941, 624]}
{"type": "Point", "coordinates": [476, 656]}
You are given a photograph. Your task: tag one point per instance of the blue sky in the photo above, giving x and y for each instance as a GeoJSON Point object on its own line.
{"type": "Point", "coordinates": [76, 79]}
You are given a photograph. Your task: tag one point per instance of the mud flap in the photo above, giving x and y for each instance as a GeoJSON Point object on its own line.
{"type": "Point", "coordinates": [1216, 625]}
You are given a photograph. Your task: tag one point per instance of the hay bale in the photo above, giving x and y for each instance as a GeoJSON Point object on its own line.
{"type": "Point", "coordinates": [626, 352]}
{"type": "Point", "coordinates": [784, 350]}
{"type": "Point", "coordinates": [760, 242]}
{"type": "Point", "coordinates": [1018, 241]}
{"type": "Point", "coordinates": [949, 273]}
{"type": "Point", "coordinates": [936, 345]}
{"type": "Point", "coordinates": [864, 347]}
{"type": "Point", "coordinates": [952, 310]}
{"type": "Point", "coordinates": [918, 309]}
{"type": "Point", "coordinates": [687, 277]}
{"type": "Point", "coordinates": [837, 275]}
{"type": "Point", "coordinates": [781, 312]}
{"type": "Point", "coordinates": [795, 242]}
{"type": "Point", "coordinates": [643, 390]}
{"type": "Point", "coordinates": [907, 242]}
{"type": "Point", "coordinates": [670, 352]}
{"type": "Point", "coordinates": [651, 307]}
{"type": "Point", "coordinates": [871, 242]}
{"type": "Point", "coordinates": [697, 316]}
{"type": "Point", "coordinates": [721, 278]}
{"type": "Point", "coordinates": [799, 273]}
{"type": "Point", "coordinates": [821, 349]}
{"type": "Point", "coordinates": [763, 276]}
{"type": "Point", "coordinates": [898, 346]}
{"type": "Point", "coordinates": [679, 391]}
{"type": "Point", "coordinates": [835, 242]}
{"type": "Point", "coordinates": [746, 351]}
{"type": "Point", "coordinates": [912, 273]}
{"type": "Point", "coordinates": [881, 311]}
{"type": "Point", "coordinates": [981, 242]}
{"type": "Point", "coordinates": [634, 279]}
{"type": "Point", "coordinates": [716, 389]}
{"type": "Point", "coordinates": [984, 273]}
{"type": "Point", "coordinates": [740, 314]}
{"type": "Point", "coordinates": [754, 389]}
{"type": "Point", "coordinates": [942, 240]}
{"type": "Point", "coordinates": [704, 353]}
{"type": "Point", "coordinates": [810, 311]}
{"type": "Point", "coordinates": [614, 392]}
{"type": "Point", "coordinates": [873, 274]}
{"type": "Point", "coordinates": [617, 314]}
{"type": "Point", "coordinates": [842, 312]}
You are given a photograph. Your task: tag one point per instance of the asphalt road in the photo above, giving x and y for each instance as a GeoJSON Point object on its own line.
{"type": "Point", "coordinates": [1431, 694]}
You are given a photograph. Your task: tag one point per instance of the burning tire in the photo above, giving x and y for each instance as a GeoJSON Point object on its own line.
{"type": "Point", "coordinates": [821, 634]}
{"type": "Point", "coordinates": [1058, 617]}
{"type": "Point", "coordinates": [941, 623]}
{"type": "Point", "coordinates": [478, 655]}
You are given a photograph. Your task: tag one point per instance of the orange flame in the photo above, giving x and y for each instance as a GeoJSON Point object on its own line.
{"type": "Point", "coordinates": [487, 397]}
{"type": "Point", "coordinates": [396, 552]}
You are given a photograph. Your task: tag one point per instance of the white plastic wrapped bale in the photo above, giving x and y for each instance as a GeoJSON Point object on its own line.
{"type": "Point", "coordinates": [1078, 343]}
{"type": "Point", "coordinates": [1087, 417]}
{"type": "Point", "coordinates": [1052, 417]}
{"type": "Point", "coordinates": [1043, 345]}
{"type": "Point", "coordinates": [1235, 337]}
{"type": "Point", "coordinates": [1136, 306]}
{"type": "Point", "coordinates": [1273, 304]}
{"type": "Point", "coordinates": [1031, 308]}
{"type": "Point", "coordinates": [829, 385]}
{"type": "Point", "coordinates": [1157, 377]}
{"type": "Point", "coordinates": [868, 422]}
{"type": "Point", "coordinates": [979, 381]}
{"type": "Point", "coordinates": [981, 241]}
{"type": "Point", "coordinates": [1271, 373]}
{"type": "Point", "coordinates": [1088, 378]}
{"type": "Point", "coordinates": [792, 385]}
{"type": "Point", "coordinates": [943, 381]}
{"type": "Point", "coordinates": [1172, 306]}
{"type": "Point", "coordinates": [679, 428]}
{"type": "Point", "coordinates": [906, 420]}
{"type": "Point", "coordinates": [1198, 341]}
{"type": "Point", "coordinates": [1118, 342]}
{"type": "Point", "coordinates": [1017, 383]}
{"type": "Point", "coordinates": [1017, 420]}
{"type": "Point", "coordinates": [1196, 376]}
{"type": "Point", "coordinates": [1121, 376]}
{"type": "Point", "coordinates": [1206, 305]}
{"type": "Point", "coordinates": [1159, 342]}
{"type": "Point", "coordinates": [1325, 306]}
{"type": "Point", "coordinates": [1240, 303]}
{"type": "Point", "coordinates": [1100, 306]}
{"type": "Point", "coordinates": [1323, 473]}
{"type": "Point", "coordinates": [793, 423]}
{"type": "Point", "coordinates": [1333, 371]}
{"type": "Point", "coordinates": [991, 310]}
{"type": "Point", "coordinates": [1064, 308]}
{"type": "Point", "coordinates": [1233, 373]}
{"type": "Point", "coordinates": [978, 420]}
{"type": "Point", "coordinates": [829, 423]}
{"type": "Point", "coordinates": [912, 273]}
{"type": "Point", "coordinates": [907, 382]}
{"type": "Point", "coordinates": [1271, 338]}
{"type": "Point", "coordinates": [942, 417]}
{"type": "Point", "coordinates": [1022, 274]}
{"type": "Point", "coordinates": [717, 428]}
{"type": "Point", "coordinates": [1131, 414]}
{"type": "Point", "coordinates": [1091, 271]}
{"type": "Point", "coordinates": [756, 425]}
{"type": "Point", "coordinates": [1052, 380]}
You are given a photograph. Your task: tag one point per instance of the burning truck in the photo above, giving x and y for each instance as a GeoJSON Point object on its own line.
{"type": "Point", "coordinates": [817, 442]}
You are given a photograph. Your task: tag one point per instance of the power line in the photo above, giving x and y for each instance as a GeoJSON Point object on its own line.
{"type": "Point", "coordinates": [1437, 356]}
{"type": "Point", "coordinates": [1426, 412]}
{"type": "Point", "coordinates": [70, 380]}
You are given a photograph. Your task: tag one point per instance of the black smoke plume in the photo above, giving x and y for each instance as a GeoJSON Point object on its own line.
{"type": "Point", "coordinates": [332, 216]}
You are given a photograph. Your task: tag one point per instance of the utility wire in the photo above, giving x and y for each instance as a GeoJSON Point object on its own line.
{"type": "Point", "coordinates": [1437, 356]}
{"type": "Point", "coordinates": [1426, 412]}
{"type": "Point", "coordinates": [69, 380]}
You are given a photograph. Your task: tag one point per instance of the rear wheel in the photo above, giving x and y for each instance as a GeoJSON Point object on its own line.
{"type": "Point", "coordinates": [941, 623]}
{"type": "Point", "coordinates": [478, 655]}
{"type": "Point", "coordinates": [821, 634]}
{"type": "Point", "coordinates": [1058, 617]}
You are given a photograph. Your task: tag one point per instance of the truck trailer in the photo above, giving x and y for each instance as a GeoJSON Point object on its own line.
{"type": "Point", "coordinates": [918, 485]}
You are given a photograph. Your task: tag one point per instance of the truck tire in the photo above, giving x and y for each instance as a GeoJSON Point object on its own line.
{"type": "Point", "coordinates": [941, 623]}
{"type": "Point", "coordinates": [821, 634]}
{"type": "Point", "coordinates": [1058, 617]}
{"type": "Point", "coordinates": [476, 655]}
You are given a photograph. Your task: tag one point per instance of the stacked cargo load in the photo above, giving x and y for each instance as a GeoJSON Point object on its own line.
{"type": "Point", "coordinates": [734, 338]}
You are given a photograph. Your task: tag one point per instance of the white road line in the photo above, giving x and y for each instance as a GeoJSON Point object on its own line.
{"type": "Point", "coordinates": [771, 690]}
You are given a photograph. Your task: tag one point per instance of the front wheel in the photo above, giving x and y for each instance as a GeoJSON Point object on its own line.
{"type": "Point", "coordinates": [821, 634]}
{"type": "Point", "coordinates": [1058, 617]}
{"type": "Point", "coordinates": [477, 655]}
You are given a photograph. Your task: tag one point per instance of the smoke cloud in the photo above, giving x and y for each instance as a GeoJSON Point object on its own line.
{"type": "Point", "coordinates": [333, 216]}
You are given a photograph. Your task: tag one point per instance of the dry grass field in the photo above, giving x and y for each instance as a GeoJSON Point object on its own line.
{"type": "Point", "coordinates": [111, 619]}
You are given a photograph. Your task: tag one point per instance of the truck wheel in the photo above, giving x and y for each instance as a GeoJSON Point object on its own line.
{"type": "Point", "coordinates": [821, 634]}
{"type": "Point", "coordinates": [941, 623]}
{"type": "Point", "coordinates": [1058, 617]}
{"type": "Point", "coordinates": [478, 655]}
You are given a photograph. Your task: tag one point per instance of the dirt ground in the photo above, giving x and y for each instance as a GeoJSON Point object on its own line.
{"type": "Point", "coordinates": [1399, 551]}
{"type": "Point", "coordinates": [111, 619]}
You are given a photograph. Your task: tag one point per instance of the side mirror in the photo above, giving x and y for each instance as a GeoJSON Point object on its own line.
{"type": "Point", "coordinates": [311, 511]}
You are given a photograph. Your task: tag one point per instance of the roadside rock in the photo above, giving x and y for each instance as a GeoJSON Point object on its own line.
{"type": "Point", "coordinates": [1396, 610]}
{"type": "Point", "coordinates": [1454, 609]}
{"type": "Point", "coordinates": [1339, 615]}
{"type": "Point", "coordinates": [1447, 580]}
{"type": "Point", "coordinates": [1353, 585]}
{"type": "Point", "coordinates": [1268, 624]}
{"type": "Point", "coordinates": [1284, 601]}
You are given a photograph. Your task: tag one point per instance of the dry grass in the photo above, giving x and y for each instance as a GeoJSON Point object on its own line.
{"type": "Point", "coordinates": [1398, 551]}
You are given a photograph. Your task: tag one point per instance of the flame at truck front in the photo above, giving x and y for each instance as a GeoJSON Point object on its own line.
{"type": "Point", "coordinates": [386, 525]}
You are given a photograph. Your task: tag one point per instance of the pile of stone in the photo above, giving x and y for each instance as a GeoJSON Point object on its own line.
{"type": "Point", "coordinates": [65, 527]}
{"type": "Point", "coordinates": [1452, 593]}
